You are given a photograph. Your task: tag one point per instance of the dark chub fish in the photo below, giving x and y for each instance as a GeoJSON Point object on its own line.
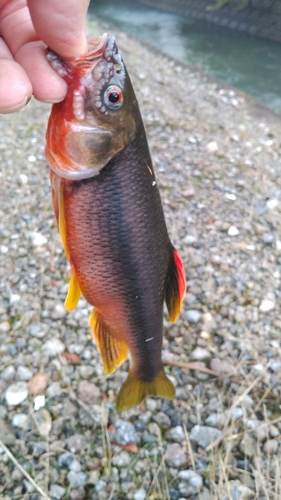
{"type": "Point", "coordinates": [110, 218]}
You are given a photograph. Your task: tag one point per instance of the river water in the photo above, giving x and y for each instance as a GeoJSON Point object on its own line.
{"type": "Point", "coordinates": [250, 64]}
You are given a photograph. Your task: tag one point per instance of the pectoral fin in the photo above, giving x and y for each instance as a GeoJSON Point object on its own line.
{"type": "Point", "coordinates": [133, 391]}
{"type": "Point", "coordinates": [74, 292]}
{"type": "Point", "coordinates": [113, 351]}
{"type": "Point", "coordinates": [175, 286]}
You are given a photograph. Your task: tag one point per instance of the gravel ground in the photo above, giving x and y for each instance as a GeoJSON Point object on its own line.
{"type": "Point", "coordinates": [217, 155]}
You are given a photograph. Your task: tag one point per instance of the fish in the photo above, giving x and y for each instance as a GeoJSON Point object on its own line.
{"type": "Point", "coordinates": [110, 218]}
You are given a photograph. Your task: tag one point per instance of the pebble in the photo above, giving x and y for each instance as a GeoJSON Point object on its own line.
{"type": "Point", "coordinates": [53, 347]}
{"type": "Point", "coordinates": [37, 239]}
{"type": "Point", "coordinates": [77, 479]}
{"type": "Point", "coordinates": [140, 494]}
{"type": "Point", "coordinates": [162, 420]}
{"type": "Point", "coordinates": [23, 373]}
{"type": "Point", "coordinates": [199, 354]}
{"type": "Point", "coordinates": [203, 435]}
{"type": "Point", "coordinates": [19, 420]}
{"type": "Point", "coordinates": [175, 456]}
{"type": "Point", "coordinates": [88, 392]}
{"type": "Point", "coordinates": [212, 147]}
{"type": "Point", "coordinates": [65, 460]}
{"type": "Point", "coordinates": [78, 494]}
{"type": "Point", "coordinates": [193, 316]}
{"type": "Point", "coordinates": [43, 421]}
{"type": "Point", "coordinates": [233, 231]}
{"type": "Point", "coordinates": [38, 330]}
{"type": "Point", "coordinates": [175, 434]}
{"type": "Point", "coordinates": [38, 384]}
{"type": "Point", "coordinates": [56, 492]}
{"type": "Point", "coordinates": [124, 433]}
{"type": "Point", "coordinates": [76, 443]}
{"type": "Point", "coordinates": [191, 482]}
{"type": "Point", "coordinates": [122, 459]}
{"type": "Point", "coordinates": [5, 327]}
{"type": "Point", "coordinates": [248, 446]}
{"type": "Point", "coordinates": [266, 305]}
{"type": "Point", "coordinates": [8, 373]}
{"type": "Point", "coordinates": [271, 446]}
{"type": "Point", "coordinates": [239, 491]}
{"type": "Point", "coordinates": [58, 311]}
{"type": "Point", "coordinates": [16, 394]}
{"type": "Point", "coordinates": [209, 323]}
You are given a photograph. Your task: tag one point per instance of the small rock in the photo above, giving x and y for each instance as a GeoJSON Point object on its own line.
{"type": "Point", "coordinates": [76, 443]}
{"type": "Point", "coordinates": [23, 373]}
{"type": "Point", "coordinates": [16, 393]}
{"type": "Point", "coordinates": [266, 305]}
{"type": "Point", "coordinates": [233, 231]}
{"type": "Point", "coordinates": [175, 434]}
{"type": "Point", "coordinates": [175, 456]}
{"type": "Point", "coordinates": [209, 323]}
{"type": "Point", "coordinates": [272, 203]}
{"type": "Point", "coordinates": [78, 494]}
{"type": "Point", "coordinates": [58, 311]}
{"type": "Point", "coordinates": [38, 384]}
{"type": "Point", "coordinates": [37, 239]}
{"type": "Point", "coordinates": [191, 482]}
{"type": "Point", "coordinates": [5, 327]}
{"type": "Point", "coordinates": [193, 316]}
{"type": "Point", "coordinates": [19, 420]}
{"type": "Point", "coordinates": [43, 421]}
{"type": "Point", "coordinates": [37, 449]}
{"type": "Point", "coordinates": [53, 347]}
{"type": "Point", "coordinates": [199, 354]}
{"type": "Point", "coordinates": [65, 460]}
{"type": "Point", "coordinates": [271, 446]}
{"type": "Point", "coordinates": [140, 494]}
{"type": "Point", "coordinates": [162, 420]}
{"type": "Point", "coordinates": [212, 147]}
{"type": "Point", "coordinates": [75, 466]}
{"type": "Point", "coordinates": [239, 491]}
{"type": "Point", "coordinates": [124, 433]}
{"type": "Point", "coordinates": [221, 366]}
{"type": "Point", "coordinates": [39, 330]}
{"type": "Point", "coordinates": [76, 479]}
{"type": "Point", "coordinates": [88, 392]}
{"type": "Point", "coordinates": [122, 459]}
{"type": "Point", "coordinates": [248, 446]}
{"type": "Point", "coordinates": [203, 435]}
{"type": "Point", "coordinates": [94, 476]}
{"type": "Point", "coordinates": [39, 402]}
{"type": "Point", "coordinates": [8, 373]}
{"type": "Point", "coordinates": [56, 492]}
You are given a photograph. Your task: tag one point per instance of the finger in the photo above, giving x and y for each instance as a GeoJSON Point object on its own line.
{"type": "Point", "coordinates": [47, 85]}
{"type": "Point", "coordinates": [15, 87]}
{"type": "Point", "coordinates": [61, 24]}
{"type": "Point", "coordinates": [15, 24]}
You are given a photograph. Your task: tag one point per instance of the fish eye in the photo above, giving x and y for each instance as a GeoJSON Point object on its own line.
{"type": "Point", "coordinates": [113, 97]}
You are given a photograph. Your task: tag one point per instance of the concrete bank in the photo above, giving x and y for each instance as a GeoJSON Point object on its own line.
{"type": "Point", "coordinates": [262, 19]}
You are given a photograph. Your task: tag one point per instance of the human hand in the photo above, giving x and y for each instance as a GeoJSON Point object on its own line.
{"type": "Point", "coordinates": [27, 28]}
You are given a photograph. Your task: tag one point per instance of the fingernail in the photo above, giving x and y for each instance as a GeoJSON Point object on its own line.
{"type": "Point", "coordinates": [15, 108]}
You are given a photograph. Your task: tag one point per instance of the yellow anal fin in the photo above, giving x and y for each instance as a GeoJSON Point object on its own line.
{"type": "Point", "coordinates": [175, 286]}
{"type": "Point", "coordinates": [133, 391]}
{"type": "Point", "coordinates": [113, 351]}
{"type": "Point", "coordinates": [61, 219]}
{"type": "Point", "coordinates": [74, 292]}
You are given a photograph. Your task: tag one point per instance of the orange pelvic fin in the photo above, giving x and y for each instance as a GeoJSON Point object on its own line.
{"type": "Point", "coordinates": [175, 286]}
{"type": "Point", "coordinates": [113, 351]}
{"type": "Point", "coordinates": [74, 292]}
{"type": "Point", "coordinates": [133, 391]}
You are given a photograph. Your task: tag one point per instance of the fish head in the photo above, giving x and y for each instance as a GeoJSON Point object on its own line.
{"type": "Point", "coordinates": [99, 116]}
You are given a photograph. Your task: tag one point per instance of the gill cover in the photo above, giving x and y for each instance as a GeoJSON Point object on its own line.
{"type": "Point", "coordinates": [95, 120]}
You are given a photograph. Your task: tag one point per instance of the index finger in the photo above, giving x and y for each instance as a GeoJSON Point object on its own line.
{"type": "Point", "coordinates": [61, 24]}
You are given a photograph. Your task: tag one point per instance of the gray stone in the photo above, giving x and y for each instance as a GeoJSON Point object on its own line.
{"type": "Point", "coordinates": [162, 420]}
{"type": "Point", "coordinates": [53, 347]}
{"type": "Point", "coordinates": [19, 420]}
{"type": "Point", "coordinates": [23, 373]}
{"type": "Point", "coordinates": [38, 330]}
{"type": "Point", "coordinates": [88, 392]}
{"type": "Point", "coordinates": [239, 491]}
{"type": "Point", "coordinates": [175, 434]}
{"type": "Point", "coordinates": [193, 316]}
{"type": "Point", "coordinates": [203, 435]}
{"type": "Point", "coordinates": [175, 456]}
{"type": "Point", "coordinates": [124, 433]}
{"type": "Point", "coordinates": [78, 494]}
{"type": "Point", "coordinates": [140, 494]}
{"type": "Point", "coordinates": [65, 460]}
{"type": "Point", "coordinates": [58, 311]}
{"type": "Point", "coordinates": [122, 459]}
{"type": "Point", "coordinates": [56, 492]}
{"type": "Point", "coordinates": [248, 446]}
{"type": "Point", "coordinates": [199, 354]}
{"type": "Point", "coordinates": [8, 373]}
{"type": "Point", "coordinates": [77, 479]}
{"type": "Point", "coordinates": [16, 393]}
{"type": "Point", "coordinates": [270, 446]}
{"type": "Point", "coordinates": [76, 442]}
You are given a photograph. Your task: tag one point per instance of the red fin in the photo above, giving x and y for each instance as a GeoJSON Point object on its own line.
{"type": "Point", "coordinates": [133, 391]}
{"type": "Point", "coordinates": [175, 286]}
{"type": "Point", "coordinates": [113, 351]}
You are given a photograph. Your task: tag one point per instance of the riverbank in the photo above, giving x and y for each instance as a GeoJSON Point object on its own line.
{"type": "Point", "coordinates": [217, 158]}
